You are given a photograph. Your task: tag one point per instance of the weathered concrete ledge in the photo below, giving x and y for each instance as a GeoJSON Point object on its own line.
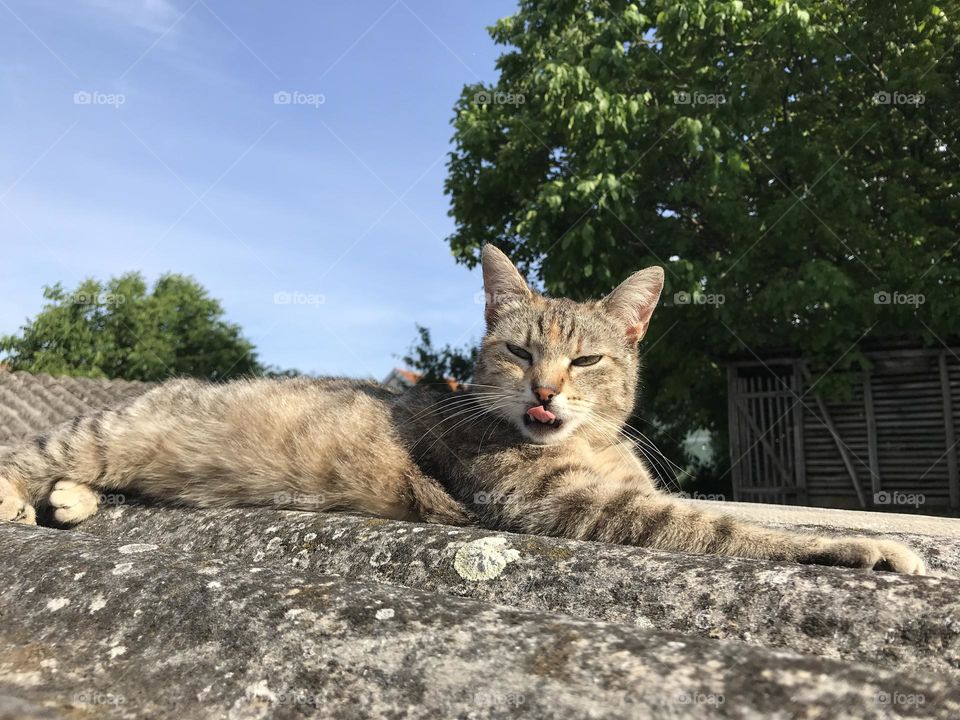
{"type": "Point", "coordinates": [854, 520]}
{"type": "Point", "coordinates": [94, 628]}
{"type": "Point", "coordinates": [877, 618]}
{"type": "Point", "coordinates": [936, 538]}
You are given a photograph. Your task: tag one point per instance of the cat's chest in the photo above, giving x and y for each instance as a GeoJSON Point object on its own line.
{"type": "Point", "coordinates": [616, 461]}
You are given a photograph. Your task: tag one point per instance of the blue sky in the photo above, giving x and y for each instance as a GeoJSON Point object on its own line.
{"type": "Point", "coordinates": [145, 135]}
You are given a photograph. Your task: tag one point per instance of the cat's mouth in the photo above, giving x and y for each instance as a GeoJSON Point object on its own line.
{"type": "Point", "coordinates": [540, 417]}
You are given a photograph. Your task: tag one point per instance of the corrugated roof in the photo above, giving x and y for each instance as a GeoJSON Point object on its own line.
{"type": "Point", "coordinates": [30, 404]}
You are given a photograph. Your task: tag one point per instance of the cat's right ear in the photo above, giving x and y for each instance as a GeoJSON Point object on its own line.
{"type": "Point", "coordinates": [502, 282]}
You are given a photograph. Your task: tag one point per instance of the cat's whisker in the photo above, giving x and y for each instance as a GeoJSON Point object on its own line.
{"type": "Point", "coordinates": [650, 452]}
{"type": "Point", "coordinates": [461, 411]}
{"type": "Point", "coordinates": [637, 435]}
{"type": "Point", "coordinates": [470, 418]}
{"type": "Point", "coordinates": [448, 402]}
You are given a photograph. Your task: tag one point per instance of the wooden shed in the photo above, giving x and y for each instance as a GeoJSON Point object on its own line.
{"type": "Point", "coordinates": [891, 446]}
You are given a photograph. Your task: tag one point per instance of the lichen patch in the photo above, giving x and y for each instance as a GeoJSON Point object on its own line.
{"type": "Point", "coordinates": [484, 559]}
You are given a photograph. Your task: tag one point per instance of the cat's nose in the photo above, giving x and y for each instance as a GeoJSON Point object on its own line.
{"type": "Point", "coordinates": [545, 393]}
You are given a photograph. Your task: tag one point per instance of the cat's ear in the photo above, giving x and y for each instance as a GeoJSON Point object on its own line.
{"type": "Point", "coordinates": [634, 300]}
{"type": "Point", "coordinates": [502, 282]}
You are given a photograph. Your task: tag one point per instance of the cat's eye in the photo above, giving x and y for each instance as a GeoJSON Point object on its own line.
{"type": "Point", "coordinates": [519, 352]}
{"type": "Point", "coordinates": [586, 360]}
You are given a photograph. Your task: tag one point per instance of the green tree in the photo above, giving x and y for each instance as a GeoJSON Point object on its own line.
{"type": "Point", "coordinates": [122, 329]}
{"type": "Point", "coordinates": [437, 365]}
{"type": "Point", "coordinates": [784, 161]}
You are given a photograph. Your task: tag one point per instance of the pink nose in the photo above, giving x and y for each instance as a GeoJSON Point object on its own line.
{"type": "Point", "coordinates": [545, 393]}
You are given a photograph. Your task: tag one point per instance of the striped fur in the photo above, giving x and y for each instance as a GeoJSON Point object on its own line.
{"type": "Point", "coordinates": [429, 454]}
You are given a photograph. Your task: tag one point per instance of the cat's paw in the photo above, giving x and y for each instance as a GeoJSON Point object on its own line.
{"type": "Point", "coordinates": [13, 508]}
{"type": "Point", "coordinates": [874, 555]}
{"type": "Point", "coordinates": [73, 502]}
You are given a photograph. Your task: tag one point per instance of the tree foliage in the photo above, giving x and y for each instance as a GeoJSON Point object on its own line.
{"type": "Point", "coordinates": [122, 329]}
{"type": "Point", "coordinates": [437, 365]}
{"type": "Point", "coordinates": [792, 165]}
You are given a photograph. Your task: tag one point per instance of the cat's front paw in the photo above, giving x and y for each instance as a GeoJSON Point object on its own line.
{"type": "Point", "coordinates": [73, 501]}
{"type": "Point", "coordinates": [873, 555]}
{"type": "Point", "coordinates": [14, 508]}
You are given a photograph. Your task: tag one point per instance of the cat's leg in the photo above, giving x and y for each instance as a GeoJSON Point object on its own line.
{"type": "Point", "coordinates": [433, 504]}
{"type": "Point", "coordinates": [60, 467]}
{"type": "Point", "coordinates": [585, 507]}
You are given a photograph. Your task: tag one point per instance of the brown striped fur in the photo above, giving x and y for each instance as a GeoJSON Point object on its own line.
{"type": "Point", "coordinates": [429, 454]}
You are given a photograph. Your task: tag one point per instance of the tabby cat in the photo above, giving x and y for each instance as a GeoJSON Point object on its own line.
{"type": "Point", "coordinates": [536, 445]}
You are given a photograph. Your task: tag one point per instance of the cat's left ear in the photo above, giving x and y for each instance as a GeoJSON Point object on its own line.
{"type": "Point", "coordinates": [634, 300]}
{"type": "Point", "coordinates": [502, 282]}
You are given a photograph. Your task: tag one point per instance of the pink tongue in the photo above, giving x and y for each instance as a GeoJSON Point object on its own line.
{"type": "Point", "coordinates": [541, 414]}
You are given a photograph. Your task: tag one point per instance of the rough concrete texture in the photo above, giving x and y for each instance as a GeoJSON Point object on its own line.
{"type": "Point", "coordinates": [855, 520]}
{"type": "Point", "coordinates": [937, 539]}
{"type": "Point", "coordinates": [95, 628]}
{"type": "Point", "coordinates": [878, 618]}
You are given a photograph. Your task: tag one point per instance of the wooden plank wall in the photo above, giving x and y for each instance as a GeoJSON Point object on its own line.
{"type": "Point", "coordinates": [900, 430]}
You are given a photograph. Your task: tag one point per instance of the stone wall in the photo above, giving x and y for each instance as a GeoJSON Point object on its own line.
{"type": "Point", "coordinates": [256, 613]}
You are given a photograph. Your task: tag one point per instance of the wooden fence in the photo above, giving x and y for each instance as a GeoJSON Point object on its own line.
{"type": "Point", "coordinates": [892, 446]}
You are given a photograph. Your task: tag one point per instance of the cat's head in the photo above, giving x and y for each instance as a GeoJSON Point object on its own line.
{"type": "Point", "coordinates": [555, 366]}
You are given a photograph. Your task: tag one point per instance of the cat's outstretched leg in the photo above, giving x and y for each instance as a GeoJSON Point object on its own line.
{"type": "Point", "coordinates": [584, 506]}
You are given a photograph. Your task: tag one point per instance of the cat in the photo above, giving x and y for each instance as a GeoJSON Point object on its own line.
{"type": "Point", "coordinates": [534, 445]}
